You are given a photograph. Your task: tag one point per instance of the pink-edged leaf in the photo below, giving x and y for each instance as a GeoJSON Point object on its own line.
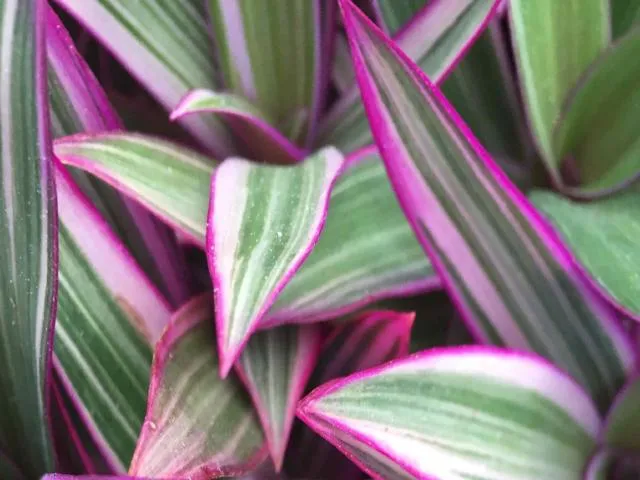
{"type": "Point", "coordinates": [28, 234]}
{"type": "Point", "coordinates": [109, 316]}
{"type": "Point", "coordinates": [466, 412]}
{"type": "Point", "coordinates": [370, 339]}
{"type": "Point", "coordinates": [197, 425]}
{"type": "Point", "coordinates": [80, 105]}
{"type": "Point", "coordinates": [509, 273]}
{"type": "Point", "coordinates": [259, 137]}
{"type": "Point", "coordinates": [61, 476]}
{"type": "Point", "coordinates": [275, 366]}
{"type": "Point", "coordinates": [165, 45]}
{"type": "Point", "coordinates": [263, 222]}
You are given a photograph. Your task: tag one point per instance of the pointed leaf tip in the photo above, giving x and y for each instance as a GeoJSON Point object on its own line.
{"type": "Point", "coordinates": [263, 223]}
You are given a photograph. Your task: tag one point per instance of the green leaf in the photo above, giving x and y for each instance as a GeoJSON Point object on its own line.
{"type": "Point", "coordinates": [169, 180]}
{"type": "Point", "coordinates": [366, 248]}
{"type": "Point", "coordinates": [554, 43]}
{"type": "Point", "coordinates": [603, 235]}
{"type": "Point", "coordinates": [624, 14]}
{"type": "Point", "coordinates": [271, 54]}
{"type": "Point", "coordinates": [197, 425]}
{"type": "Point", "coordinates": [263, 222]}
{"type": "Point", "coordinates": [275, 366]}
{"type": "Point", "coordinates": [28, 262]}
{"type": "Point", "coordinates": [165, 45]}
{"type": "Point", "coordinates": [467, 412]}
{"type": "Point", "coordinates": [622, 425]}
{"type": "Point", "coordinates": [597, 127]}
{"type": "Point", "coordinates": [506, 269]}
{"type": "Point", "coordinates": [435, 39]}
{"type": "Point", "coordinates": [393, 15]}
{"type": "Point", "coordinates": [109, 316]}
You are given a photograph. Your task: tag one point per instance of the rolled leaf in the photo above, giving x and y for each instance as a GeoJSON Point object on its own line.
{"type": "Point", "coordinates": [263, 141]}
{"type": "Point", "coordinates": [368, 340]}
{"type": "Point", "coordinates": [595, 129]}
{"type": "Point", "coordinates": [436, 39]}
{"type": "Point", "coordinates": [197, 425]}
{"type": "Point", "coordinates": [622, 424]}
{"type": "Point", "coordinates": [603, 236]}
{"type": "Point", "coordinates": [172, 181]}
{"type": "Point", "coordinates": [272, 55]}
{"type": "Point", "coordinates": [28, 234]}
{"type": "Point", "coordinates": [78, 104]}
{"type": "Point", "coordinates": [466, 412]}
{"type": "Point", "coordinates": [275, 366]}
{"type": "Point", "coordinates": [554, 44]}
{"type": "Point", "coordinates": [151, 40]}
{"type": "Point", "coordinates": [109, 316]}
{"type": "Point", "coordinates": [508, 272]}
{"type": "Point", "coordinates": [263, 223]}
{"type": "Point", "coordinates": [624, 15]}
{"type": "Point", "coordinates": [366, 247]}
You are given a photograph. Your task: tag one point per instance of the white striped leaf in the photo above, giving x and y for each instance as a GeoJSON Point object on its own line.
{"type": "Point", "coordinates": [171, 181]}
{"type": "Point", "coordinates": [275, 366]}
{"type": "Point", "coordinates": [595, 129]}
{"type": "Point", "coordinates": [366, 341]}
{"type": "Point", "coordinates": [79, 104]}
{"type": "Point", "coordinates": [28, 235]}
{"type": "Point", "coordinates": [435, 39]}
{"type": "Point", "coordinates": [459, 413]}
{"type": "Point", "coordinates": [509, 273]}
{"type": "Point", "coordinates": [554, 43]}
{"type": "Point", "coordinates": [260, 138]}
{"type": "Point", "coordinates": [263, 222]}
{"type": "Point", "coordinates": [603, 236]}
{"type": "Point", "coordinates": [197, 425]}
{"type": "Point", "coordinates": [366, 248]}
{"type": "Point", "coordinates": [109, 316]}
{"type": "Point", "coordinates": [273, 55]}
{"type": "Point", "coordinates": [622, 424]}
{"type": "Point", "coordinates": [164, 44]}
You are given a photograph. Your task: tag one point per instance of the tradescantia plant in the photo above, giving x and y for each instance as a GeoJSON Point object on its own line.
{"type": "Point", "coordinates": [319, 239]}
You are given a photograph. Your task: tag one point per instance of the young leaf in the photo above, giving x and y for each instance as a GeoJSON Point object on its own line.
{"type": "Point", "coordinates": [366, 247]}
{"type": "Point", "coordinates": [466, 412]}
{"type": "Point", "coordinates": [368, 340]}
{"type": "Point", "coordinates": [78, 104]}
{"type": "Point", "coordinates": [28, 234]}
{"type": "Point", "coordinates": [554, 43]}
{"type": "Point", "coordinates": [624, 15]}
{"type": "Point", "coordinates": [172, 181]}
{"type": "Point", "coordinates": [511, 277]}
{"type": "Point", "coordinates": [596, 127]}
{"type": "Point", "coordinates": [435, 39]}
{"type": "Point", "coordinates": [109, 315]}
{"type": "Point", "coordinates": [622, 424]}
{"type": "Point", "coordinates": [151, 39]}
{"type": "Point", "coordinates": [603, 236]}
{"type": "Point", "coordinates": [197, 425]}
{"type": "Point", "coordinates": [275, 366]}
{"type": "Point", "coordinates": [249, 123]}
{"type": "Point", "coordinates": [263, 222]}
{"type": "Point", "coordinates": [271, 54]}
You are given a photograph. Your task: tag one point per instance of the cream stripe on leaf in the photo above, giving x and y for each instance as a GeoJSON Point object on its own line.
{"type": "Point", "coordinates": [150, 39]}
{"type": "Point", "coordinates": [263, 222]}
{"type": "Point", "coordinates": [511, 276]}
{"type": "Point", "coordinates": [109, 316]}
{"type": "Point", "coordinates": [28, 233]}
{"type": "Point", "coordinates": [463, 413]}
{"type": "Point", "coordinates": [197, 425]}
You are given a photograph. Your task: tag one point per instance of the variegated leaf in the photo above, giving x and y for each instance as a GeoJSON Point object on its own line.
{"type": "Point", "coordinates": [622, 424]}
{"type": "Point", "coordinates": [508, 272]}
{"type": "Point", "coordinates": [263, 222]}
